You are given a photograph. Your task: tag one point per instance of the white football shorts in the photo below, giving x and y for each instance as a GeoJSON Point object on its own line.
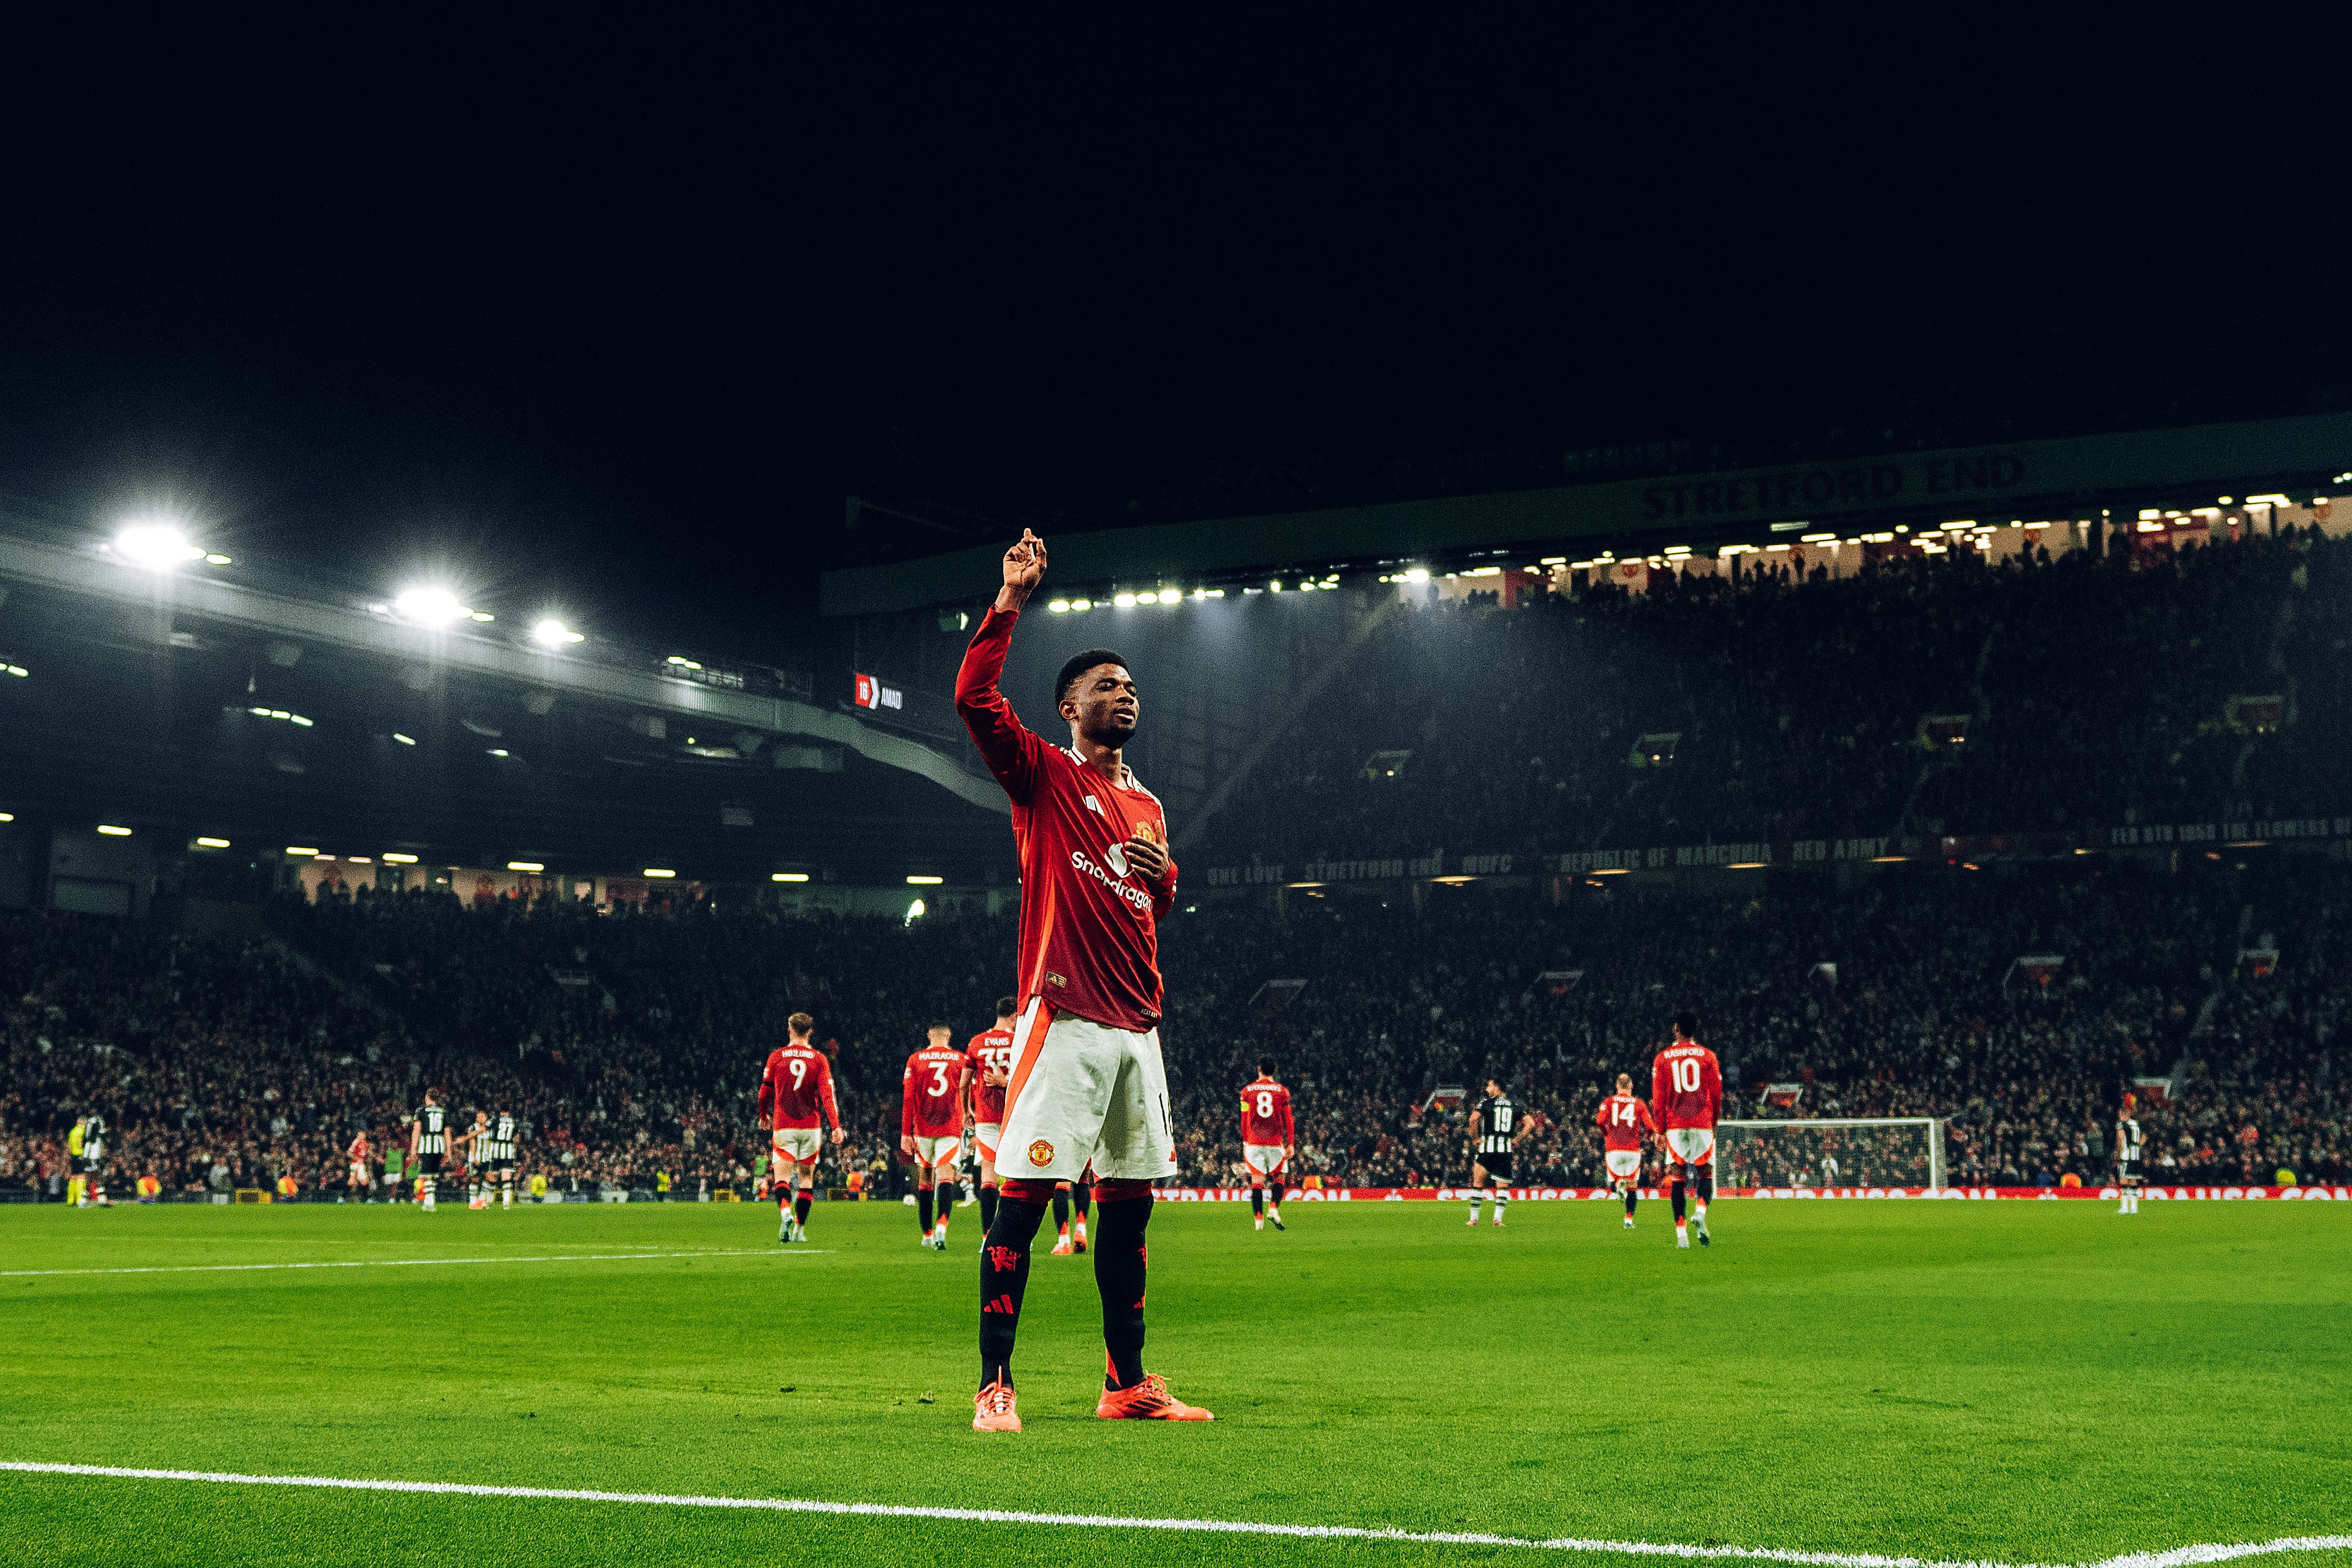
{"type": "Point", "coordinates": [939, 1152]}
{"type": "Point", "coordinates": [1085, 1094]}
{"type": "Point", "coordinates": [984, 1136]}
{"type": "Point", "coordinates": [1692, 1145]}
{"type": "Point", "coordinates": [799, 1143]}
{"type": "Point", "coordinates": [1624, 1162]}
{"type": "Point", "coordinates": [1264, 1158]}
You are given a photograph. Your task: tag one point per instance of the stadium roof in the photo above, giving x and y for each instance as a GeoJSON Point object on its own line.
{"type": "Point", "coordinates": [2027, 479]}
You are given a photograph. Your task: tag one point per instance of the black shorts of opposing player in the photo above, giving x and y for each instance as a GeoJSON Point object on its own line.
{"type": "Point", "coordinates": [428, 1165]}
{"type": "Point", "coordinates": [1499, 1168]}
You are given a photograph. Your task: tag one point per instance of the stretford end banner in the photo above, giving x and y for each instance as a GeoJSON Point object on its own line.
{"type": "Point", "coordinates": [2314, 1194]}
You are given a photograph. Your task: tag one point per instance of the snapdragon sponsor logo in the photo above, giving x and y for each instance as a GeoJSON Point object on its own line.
{"type": "Point", "coordinates": [1134, 896]}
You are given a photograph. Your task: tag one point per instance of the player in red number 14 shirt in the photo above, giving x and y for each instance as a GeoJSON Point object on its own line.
{"type": "Point", "coordinates": [1267, 1140]}
{"type": "Point", "coordinates": [1622, 1119]}
{"type": "Point", "coordinates": [930, 1126]}
{"type": "Point", "coordinates": [1090, 1087]}
{"type": "Point", "coordinates": [796, 1101]}
{"type": "Point", "coordinates": [1686, 1089]}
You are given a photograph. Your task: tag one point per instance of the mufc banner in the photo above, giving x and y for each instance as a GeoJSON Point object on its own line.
{"type": "Point", "coordinates": [1598, 1194]}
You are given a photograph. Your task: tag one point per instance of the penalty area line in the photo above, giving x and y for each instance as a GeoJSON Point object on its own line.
{"type": "Point", "coordinates": [2177, 1557]}
{"type": "Point", "coordinates": [420, 1262]}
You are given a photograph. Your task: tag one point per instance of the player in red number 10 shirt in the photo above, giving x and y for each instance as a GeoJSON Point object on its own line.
{"type": "Point", "coordinates": [1267, 1140]}
{"type": "Point", "coordinates": [930, 1126]}
{"type": "Point", "coordinates": [1090, 1087]}
{"type": "Point", "coordinates": [1687, 1090]}
{"type": "Point", "coordinates": [1621, 1120]}
{"type": "Point", "coordinates": [796, 1101]}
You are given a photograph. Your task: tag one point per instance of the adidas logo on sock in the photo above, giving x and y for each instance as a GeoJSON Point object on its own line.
{"type": "Point", "coordinates": [1001, 1304]}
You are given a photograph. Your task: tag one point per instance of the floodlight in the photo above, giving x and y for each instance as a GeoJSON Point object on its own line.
{"type": "Point", "coordinates": [1417, 574]}
{"type": "Point", "coordinates": [403, 739]}
{"type": "Point", "coordinates": [1171, 595]}
{"type": "Point", "coordinates": [1082, 604]}
{"type": "Point", "coordinates": [155, 543]}
{"type": "Point", "coordinates": [435, 607]}
{"type": "Point", "coordinates": [210, 843]}
{"type": "Point", "coordinates": [1124, 600]}
{"type": "Point", "coordinates": [925, 880]}
{"type": "Point", "coordinates": [659, 871]}
{"type": "Point", "coordinates": [112, 831]}
{"type": "Point", "coordinates": [393, 857]}
{"type": "Point", "coordinates": [16, 670]}
{"type": "Point", "coordinates": [525, 865]}
{"type": "Point", "coordinates": [788, 876]}
{"type": "Point", "coordinates": [216, 561]}
{"type": "Point", "coordinates": [7, 816]}
{"type": "Point", "coordinates": [554, 633]}
{"type": "Point", "coordinates": [1059, 607]}
{"type": "Point", "coordinates": [301, 850]}
{"type": "Point", "coordinates": [915, 912]}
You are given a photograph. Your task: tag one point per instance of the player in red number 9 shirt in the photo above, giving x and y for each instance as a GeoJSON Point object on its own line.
{"type": "Point", "coordinates": [1268, 1139]}
{"type": "Point", "coordinates": [1687, 1090]}
{"type": "Point", "coordinates": [1088, 1086]}
{"type": "Point", "coordinates": [930, 1127]}
{"type": "Point", "coordinates": [1621, 1120]}
{"type": "Point", "coordinates": [796, 1100]}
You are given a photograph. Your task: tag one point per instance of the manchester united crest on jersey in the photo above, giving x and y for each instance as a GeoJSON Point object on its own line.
{"type": "Point", "coordinates": [1041, 1154]}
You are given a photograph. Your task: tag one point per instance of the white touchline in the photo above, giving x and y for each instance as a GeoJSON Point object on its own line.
{"type": "Point", "coordinates": [420, 1262]}
{"type": "Point", "coordinates": [2178, 1557]}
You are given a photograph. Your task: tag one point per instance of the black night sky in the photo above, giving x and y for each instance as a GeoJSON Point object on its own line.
{"type": "Point", "coordinates": [620, 318]}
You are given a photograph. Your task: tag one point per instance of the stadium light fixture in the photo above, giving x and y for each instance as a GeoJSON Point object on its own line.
{"type": "Point", "coordinates": [679, 661]}
{"type": "Point", "coordinates": [7, 816]}
{"type": "Point", "coordinates": [925, 880]}
{"type": "Point", "coordinates": [16, 670]}
{"type": "Point", "coordinates": [526, 865]}
{"type": "Point", "coordinates": [393, 857]}
{"type": "Point", "coordinates": [1417, 574]}
{"type": "Point", "coordinates": [1172, 595]}
{"type": "Point", "coordinates": [157, 544]}
{"type": "Point", "coordinates": [403, 739]}
{"type": "Point", "coordinates": [788, 876]}
{"type": "Point", "coordinates": [302, 849]}
{"type": "Point", "coordinates": [210, 843]}
{"type": "Point", "coordinates": [216, 559]}
{"type": "Point", "coordinates": [322, 857]}
{"type": "Point", "coordinates": [551, 632]}
{"type": "Point", "coordinates": [1554, 560]}
{"type": "Point", "coordinates": [497, 751]}
{"type": "Point", "coordinates": [916, 911]}
{"type": "Point", "coordinates": [1274, 586]}
{"type": "Point", "coordinates": [428, 606]}
{"type": "Point", "coordinates": [1082, 605]}
{"type": "Point", "coordinates": [1817, 538]}
{"type": "Point", "coordinates": [1747, 865]}
{"type": "Point", "coordinates": [112, 831]}
{"type": "Point", "coordinates": [659, 872]}
{"type": "Point", "coordinates": [1612, 871]}
{"type": "Point", "coordinates": [1124, 600]}
{"type": "Point", "coordinates": [1059, 607]}
{"type": "Point", "coordinates": [1453, 880]}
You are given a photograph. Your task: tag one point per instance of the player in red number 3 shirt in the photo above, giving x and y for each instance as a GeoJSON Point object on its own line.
{"type": "Point", "coordinates": [930, 1127]}
{"type": "Point", "coordinates": [1686, 1089]}
{"type": "Point", "coordinates": [1088, 1087]}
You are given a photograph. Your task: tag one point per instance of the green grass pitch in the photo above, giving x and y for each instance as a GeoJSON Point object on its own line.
{"type": "Point", "coordinates": [2019, 1382]}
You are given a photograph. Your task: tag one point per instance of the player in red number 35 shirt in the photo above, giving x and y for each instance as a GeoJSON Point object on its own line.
{"type": "Point", "coordinates": [1686, 1089]}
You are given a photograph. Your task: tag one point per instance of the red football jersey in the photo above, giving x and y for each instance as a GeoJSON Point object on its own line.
{"type": "Point", "coordinates": [931, 1093]}
{"type": "Point", "coordinates": [1089, 939]}
{"type": "Point", "coordinates": [1265, 1115]}
{"type": "Point", "coordinates": [990, 1051]}
{"type": "Point", "coordinates": [797, 1084]}
{"type": "Point", "coordinates": [1622, 1119]}
{"type": "Point", "coordinates": [1686, 1086]}
{"type": "Point", "coordinates": [361, 1151]}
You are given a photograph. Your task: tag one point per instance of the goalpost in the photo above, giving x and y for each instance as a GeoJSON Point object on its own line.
{"type": "Point", "coordinates": [1832, 1151]}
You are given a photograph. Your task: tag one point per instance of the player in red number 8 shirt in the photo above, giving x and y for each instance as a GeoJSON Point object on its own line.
{"type": "Point", "coordinates": [796, 1101]}
{"type": "Point", "coordinates": [1686, 1089]}
{"type": "Point", "coordinates": [1088, 1087]}
{"type": "Point", "coordinates": [1268, 1136]}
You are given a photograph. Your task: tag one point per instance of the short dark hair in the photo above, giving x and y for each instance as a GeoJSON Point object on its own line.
{"type": "Point", "coordinates": [1079, 664]}
{"type": "Point", "coordinates": [1686, 1024]}
{"type": "Point", "coordinates": [1265, 1065]}
{"type": "Point", "coordinates": [939, 1029]}
{"type": "Point", "coordinates": [1006, 1007]}
{"type": "Point", "coordinates": [799, 1023]}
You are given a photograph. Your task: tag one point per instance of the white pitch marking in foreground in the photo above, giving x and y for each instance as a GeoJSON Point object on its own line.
{"type": "Point", "coordinates": [2178, 1557]}
{"type": "Point", "coordinates": [419, 1262]}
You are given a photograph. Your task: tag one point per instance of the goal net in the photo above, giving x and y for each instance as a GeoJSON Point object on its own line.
{"type": "Point", "coordinates": [1831, 1152]}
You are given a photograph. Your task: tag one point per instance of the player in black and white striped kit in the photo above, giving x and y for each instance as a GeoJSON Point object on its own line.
{"type": "Point", "coordinates": [495, 1157]}
{"type": "Point", "coordinates": [428, 1141]}
{"type": "Point", "coordinates": [1494, 1133]}
{"type": "Point", "coordinates": [2127, 1157]}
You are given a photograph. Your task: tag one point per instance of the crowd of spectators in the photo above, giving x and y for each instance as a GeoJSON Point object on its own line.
{"type": "Point", "coordinates": [630, 1045]}
{"type": "Point", "coordinates": [2096, 690]}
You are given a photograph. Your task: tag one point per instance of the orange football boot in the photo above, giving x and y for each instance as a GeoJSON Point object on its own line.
{"type": "Point", "coordinates": [994, 1410]}
{"type": "Point", "coordinates": [1148, 1400]}
{"type": "Point", "coordinates": [1062, 1248]}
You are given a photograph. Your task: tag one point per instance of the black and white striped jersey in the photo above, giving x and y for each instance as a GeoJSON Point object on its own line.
{"type": "Point", "coordinates": [498, 1140]}
{"type": "Point", "coordinates": [432, 1130]}
{"type": "Point", "coordinates": [1494, 1116]}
